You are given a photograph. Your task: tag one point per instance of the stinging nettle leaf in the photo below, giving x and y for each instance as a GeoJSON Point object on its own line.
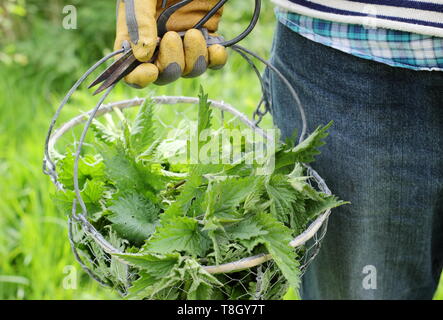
{"type": "Point", "coordinates": [104, 133]}
{"type": "Point", "coordinates": [158, 266]}
{"type": "Point", "coordinates": [134, 217]}
{"type": "Point", "coordinates": [126, 173]}
{"type": "Point", "coordinates": [143, 133]}
{"type": "Point", "coordinates": [224, 196]}
{"type": "Point", "coordinates": [204, 112]}
{"type": "Point", "coordinates": [277, 242]}
{"type": "Point", "coordinates": [282, 196]}
{"type": "Point", "coordinates": [89, 167]}
{"type": "Point", "coordinates": [304, 152]}
{"type": "Point", "coordinates": [182, 234]}
{"type": "Point", "coordinates": [245, 229]}
{"type": "Point", "coordinates": [315, 208]}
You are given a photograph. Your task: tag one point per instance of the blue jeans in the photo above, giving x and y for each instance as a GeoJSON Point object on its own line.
{"type": "Point", "coordinates": [384, 154]}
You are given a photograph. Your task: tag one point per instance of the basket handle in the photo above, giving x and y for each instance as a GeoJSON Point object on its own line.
{"type": "Point", "coordinates": [49, 167]}
{"type": "Point", "coordinates": [269, 66]}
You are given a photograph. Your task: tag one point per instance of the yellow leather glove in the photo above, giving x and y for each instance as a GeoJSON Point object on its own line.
{"type": "Point", "coordinates": [189, 56]}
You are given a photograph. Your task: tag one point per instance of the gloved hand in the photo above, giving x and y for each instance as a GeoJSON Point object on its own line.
{"type": "Point", "coordinates": [187, 57]}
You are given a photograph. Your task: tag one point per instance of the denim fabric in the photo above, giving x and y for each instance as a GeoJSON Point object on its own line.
{"type": "Point", "coordinates": [384, 154]}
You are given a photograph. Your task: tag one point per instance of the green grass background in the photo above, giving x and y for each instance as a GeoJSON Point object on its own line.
{"type": "Point", "coordinates": [39, 61]}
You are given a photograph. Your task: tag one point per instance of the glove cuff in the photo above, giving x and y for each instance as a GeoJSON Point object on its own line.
{"type": "Point", "coordinates": [131, 20]}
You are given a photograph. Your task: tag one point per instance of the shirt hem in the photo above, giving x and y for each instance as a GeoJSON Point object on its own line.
{"type": "Point", "coordinates": [371, 21]}
{"type": "Point", "coordinates": [318, 39]}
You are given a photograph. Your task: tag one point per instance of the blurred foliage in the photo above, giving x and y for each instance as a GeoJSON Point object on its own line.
{"type": "Point", "coordinates": [32, 35]}
{"type": "Point", "coordinates": [12, 13]}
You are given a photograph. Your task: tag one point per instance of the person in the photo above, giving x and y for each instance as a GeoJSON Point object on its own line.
{"type": "Point", "coordinates": [374, 68]}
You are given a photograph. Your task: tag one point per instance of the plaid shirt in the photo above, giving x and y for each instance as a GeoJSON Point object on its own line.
{"type": "Point", "coordinates": [392, 47]}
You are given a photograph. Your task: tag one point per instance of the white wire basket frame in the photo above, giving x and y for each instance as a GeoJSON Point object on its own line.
{"type": "Point", "coordinates": [308, 242]}
{"type": "Point", "coordinates": [316, 230]}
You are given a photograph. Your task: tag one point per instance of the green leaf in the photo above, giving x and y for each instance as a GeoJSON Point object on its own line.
{"type": "Point", "coordinates": [277, 242]}
{"type": "Point", "coordinates": [118, 269]}
{"type": "Point", "coordinates": [314, 202]}
{"type": "Point", "coordinates": [254, 199]}
{"type": "Point", "coordinates": [223, 198]}
{"type": "Point", "coordinates": [308, 149]}
{"type": "Point", "coordinates": [143, 132]}
{"type": "Point", "coordinates": [271, 285]}
{"type": "Point", "coordinates": [104, 133]}
{"type": "Point", "coordinates": [158, 266]}
{"type": "Point", "coordinates": [126, 138]}
{"type": "Point", "coordinates": [315, 208]}
{"type": "Point", "coordinates": [245, 229]}
{"type": "Point", "coordinates": [292, 294]}
{"type": "Point", "coordinates": [304, 152]}
{"type": "Point", "coordinates": [127, 174]}
{"type": "Point", "coordinates": [282, 196]}
{"type": "Point", "coordinates": [190, 193]}
{"type": "Point", "coordinates": [200, 290]}
{"type": "Point", "coordinates": [189, 271]}
{"type": "Point", "coordinates": [204, 112]}
{"type": "Point", "coordinates": [89, 168]}
{"type": "Point", "coordinates": [141, 288]}
{"type": "Point", "coordinates": [92, 192]}
{"type": "Point", "coordinates": [300, 183]}
{"type": "Point", "coordinates": [149, 287]}
{"type": "Point", "coordinates": [182, 234]}
{"type": "Point", "coordinates": [201, 281]}
{"type": "Point", "coordinates": [253, 243]}
{"type": "Point", "coordinates": [134, 217]}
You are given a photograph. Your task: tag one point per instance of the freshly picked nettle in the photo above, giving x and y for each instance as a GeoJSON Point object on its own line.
{"type": "Point", "coordinates": [197, 212]}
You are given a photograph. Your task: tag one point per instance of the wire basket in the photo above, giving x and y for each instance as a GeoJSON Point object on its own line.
{"type": "Point", "coordinates": [82, 232]}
